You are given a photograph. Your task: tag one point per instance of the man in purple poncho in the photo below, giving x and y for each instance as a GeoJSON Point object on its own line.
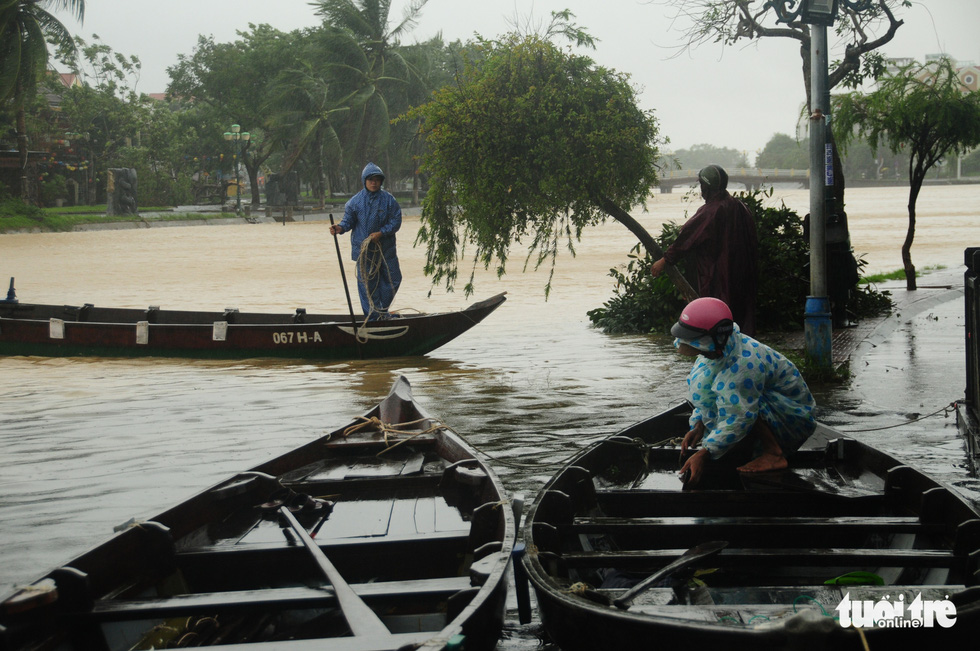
{"type": "Point", "coordinates": [722, 237]}
{"type": "Point", "coordinates": [373, 216]}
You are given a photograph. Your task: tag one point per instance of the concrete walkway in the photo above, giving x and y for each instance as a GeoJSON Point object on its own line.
{"type": "Point", "coordinates": [852, 344]}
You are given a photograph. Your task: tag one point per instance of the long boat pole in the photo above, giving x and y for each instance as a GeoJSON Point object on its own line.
{"type": "Point", "coordinates": [361, 619]}
{"type": "Point", "coordinates": [343, 276]}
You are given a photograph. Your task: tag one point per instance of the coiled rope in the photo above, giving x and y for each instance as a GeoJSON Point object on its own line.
{"type": "Point", "coordinates": [369, 267]}
{"type": "Point", "coordinates": [392, 431]}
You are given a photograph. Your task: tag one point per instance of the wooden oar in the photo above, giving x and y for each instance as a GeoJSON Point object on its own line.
{"type": "Point", "coordinates": [361, 619]}
{"type": "Point", "coordinates": [689, 557]}
{"type": "Point", "coordinates": [343, 276]}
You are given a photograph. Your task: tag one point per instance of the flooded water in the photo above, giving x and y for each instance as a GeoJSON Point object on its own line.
{"type": "Point", "coordinates": [90, 443]}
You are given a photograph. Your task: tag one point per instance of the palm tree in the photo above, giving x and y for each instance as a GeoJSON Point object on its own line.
{"type": "Point", "coordinates": [305, 107]}
{"type": "Point", "coordinates": [25, 27]}
{"type": "Point", "coordinates": [365, 58]}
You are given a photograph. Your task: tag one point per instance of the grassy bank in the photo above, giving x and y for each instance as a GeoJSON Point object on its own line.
{"type": "Point", "coordinates": [18, 217]}
{"type": "Point", "coordinates": [898, 274]}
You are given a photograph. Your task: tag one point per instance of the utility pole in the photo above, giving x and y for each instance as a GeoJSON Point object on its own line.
{"type": "Point", "coordinates": [817, 323]}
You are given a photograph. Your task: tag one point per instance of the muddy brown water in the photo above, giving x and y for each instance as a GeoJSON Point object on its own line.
{"type": "Point", "coordinates": [90, 443]}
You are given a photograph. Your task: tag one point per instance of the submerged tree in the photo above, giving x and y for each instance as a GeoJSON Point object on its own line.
{"type": "Point", "coordinates": [923, 111]}
{"type": "Point", "coordinates": [531, 144]}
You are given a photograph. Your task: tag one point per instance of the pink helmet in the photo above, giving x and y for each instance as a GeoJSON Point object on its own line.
{"type": "Point", "coordinates": [705, 316]}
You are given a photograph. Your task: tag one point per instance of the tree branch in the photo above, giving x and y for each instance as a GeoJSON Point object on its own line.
{"type": "Point", "coordinates": [854, 52]}
{"type": "Point", "coordinates": [616, 212]}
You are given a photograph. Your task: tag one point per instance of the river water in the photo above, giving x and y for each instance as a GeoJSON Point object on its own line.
{"type": "Point", "coordinates": [90, 443]}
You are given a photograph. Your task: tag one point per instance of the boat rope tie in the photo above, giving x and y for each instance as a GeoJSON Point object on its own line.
{"type": "Point", "coordinates": [577, 588]}
{"type": "Point", "coordinates": [128, 524]}
{"type": "Point", "coordinates": [392, 430]}
{"type": "Point", "coordinates": [32, 588]}
{"type": "Point", "coordinates": [945, 411]}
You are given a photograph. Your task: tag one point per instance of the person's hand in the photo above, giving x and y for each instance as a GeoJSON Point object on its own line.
{"type": "Point", "coordinates": [375, 236]}
{"type": "Point", "coordinates": [336, 229]}
{"type": "Point", "coordinates": [658, 267]}
{"type": "Point", "coordinates": [693, 438]}
{"type": "Point", "coordinates": [693, 468]}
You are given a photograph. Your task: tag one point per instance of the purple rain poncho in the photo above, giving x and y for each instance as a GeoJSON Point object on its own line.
{"type": "Point", "coordinates": [722, 237]}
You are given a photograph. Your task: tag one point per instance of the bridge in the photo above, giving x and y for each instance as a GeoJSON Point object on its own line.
{"type": "Point", "coordinates": [751, 178]}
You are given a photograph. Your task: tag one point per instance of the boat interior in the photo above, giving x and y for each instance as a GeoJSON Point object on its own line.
{"type": "Point", "coordinates": [413, 533]}
{"type": "Point", "coordinates": [843, 518]}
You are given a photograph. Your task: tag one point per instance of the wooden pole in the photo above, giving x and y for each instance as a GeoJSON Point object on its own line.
{"type": "Point", "coordinates": [361, 619]}
{"type": "Point", "coordinates": [343, 276]}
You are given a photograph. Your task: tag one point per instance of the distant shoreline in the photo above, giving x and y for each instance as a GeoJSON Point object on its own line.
{"type": "Point", "coordinates": [194, 217]}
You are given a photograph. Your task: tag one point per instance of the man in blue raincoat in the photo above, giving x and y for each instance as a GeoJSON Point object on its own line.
{"type": "Point", "coordinates": [373, 216]}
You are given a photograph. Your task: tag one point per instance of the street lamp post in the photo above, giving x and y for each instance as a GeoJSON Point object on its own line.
{"type": "Point", "coordinates": [819, 15]}
{"type": "Point", "coordinates": [241, 137]}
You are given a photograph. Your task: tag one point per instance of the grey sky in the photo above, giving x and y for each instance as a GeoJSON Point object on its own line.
{"type": "Point", "coordinates": [734, 97]}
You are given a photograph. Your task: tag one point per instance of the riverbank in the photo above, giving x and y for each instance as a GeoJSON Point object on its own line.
{"type": "Point", "coordinates": [54, 220]}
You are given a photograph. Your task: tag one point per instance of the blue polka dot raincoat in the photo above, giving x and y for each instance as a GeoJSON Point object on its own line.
{"type": "Point", "coordinates": [750, 380]}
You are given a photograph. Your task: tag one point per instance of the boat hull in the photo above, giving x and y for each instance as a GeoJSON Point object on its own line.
{"type": "Point", "coordinates": [411, 520]}
{"type": "Point", "coordinates": [618, 513]}
{"type": "Point", "coordinates": [68, 331]}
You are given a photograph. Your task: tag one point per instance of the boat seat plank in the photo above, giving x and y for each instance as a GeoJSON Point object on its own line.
{"type": "Point", "coordinates": [360, 542]}
{"type": "Point", "coordinates": [771, 557]}
{"type": "Point", "coordinates": [278, 598]}
{"type": "Point", "coordinates": [359, 643]}
{"type": "Point", "coordinates": [783, 595]}
{"type": "Point", "coordinates": [378, 467]}
{"type": "Point", "coordinates": [659, 503]}
{"type": "Point", "coordinates": [376, 443]}
{"type": "Point", "coordinates": [755, 524]}
{"type": "Point", "coordinates": [422, 484]}
{"type": "Point", "coordinates": [910, 522]}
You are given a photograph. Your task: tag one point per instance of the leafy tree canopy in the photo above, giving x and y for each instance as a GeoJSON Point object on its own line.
{"type": "Point", "coordinates": [922, 110]}
{"type": "Point", "coordinates": [785, 152]}
{"type": "Point", "coordinates": [861, 33]}
{"type": "Point", "coordinates": [530, 144]}
{"type": "Point", "coordinates": [702, 155]}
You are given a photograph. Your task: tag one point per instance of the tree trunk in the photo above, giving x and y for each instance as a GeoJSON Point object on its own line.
{"type": "Point", "coordinates": [415, 184]}
{"type": "Point", "coordinates": [915, 186]}
{"type": "Point", "coordinates": [651, 245]}
{"type": "Point", "coordinates": [25, 189]}
{"type": "Point", "coordinates": [321, 177]}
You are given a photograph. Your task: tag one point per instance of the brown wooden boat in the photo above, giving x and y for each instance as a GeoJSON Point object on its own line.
{"type": "Point", "coordinates": [621, 557]}
{"type": "Point", "coordinates": [388, 534]}
{"type": "Point", "coordinates": [66, 330]}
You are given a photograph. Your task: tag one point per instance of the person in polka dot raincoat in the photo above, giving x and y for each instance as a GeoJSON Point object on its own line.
{"type": "Point", "coordinates": [750, 403]}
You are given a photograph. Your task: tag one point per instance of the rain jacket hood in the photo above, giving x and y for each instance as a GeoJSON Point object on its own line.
{"type": "Point", "coordinates": [370, 170]}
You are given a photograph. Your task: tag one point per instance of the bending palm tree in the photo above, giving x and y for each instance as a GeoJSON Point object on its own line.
{"type": "Point", "coordinates": [306, 108]}
{"type": "Point", "coordinates": [365, 60]}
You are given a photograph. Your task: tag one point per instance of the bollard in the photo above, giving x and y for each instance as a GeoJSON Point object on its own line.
{"type": "Point", "coordinates": [818, 330]}
{"type": "Point", "coordinates": [520, 584]}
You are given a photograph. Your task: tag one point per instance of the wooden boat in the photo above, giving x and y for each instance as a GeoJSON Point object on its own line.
{"type": "Point", "coordinates": [388, 534]}
{"type": "Point", "coordinates": [778, 560]}
{"type": "Point", "coordinates": [65, 330]}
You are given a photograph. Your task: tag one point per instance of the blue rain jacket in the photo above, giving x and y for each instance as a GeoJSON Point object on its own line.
{"type": "Point", "coordinates": [371, 212]}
